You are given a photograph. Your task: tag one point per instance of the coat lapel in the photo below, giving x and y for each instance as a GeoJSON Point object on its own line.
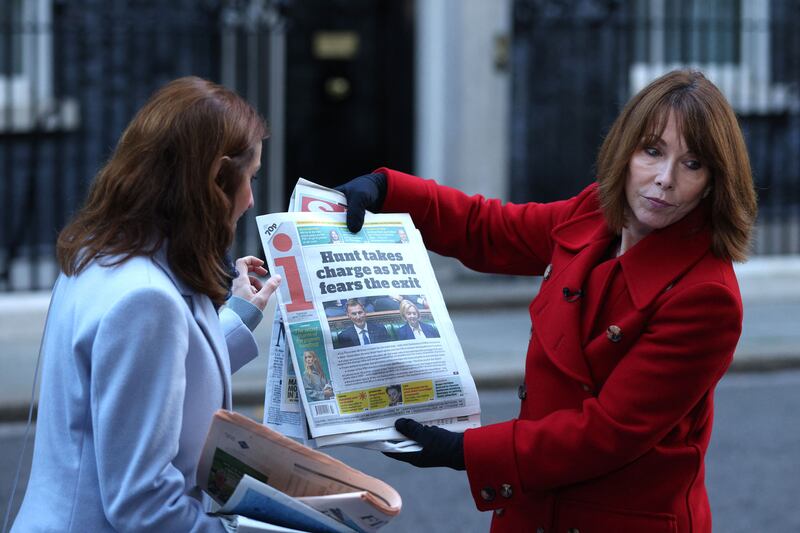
{"type": "Point", "coordinates": [650, 267]}
{"type": "Point", "coordinates": [207, 319]}
{"type": "Point", "coordinates": [556, 316]}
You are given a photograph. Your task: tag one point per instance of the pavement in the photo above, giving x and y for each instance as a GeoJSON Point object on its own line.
{"type": "Point", "coordinates": [477, 304]}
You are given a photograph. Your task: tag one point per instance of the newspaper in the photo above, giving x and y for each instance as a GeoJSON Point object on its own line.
{"type": "Point", "coordinates": [252, 471]}
{"type": "Point", "coordinates": [351, 389]}
{"type": "Point", "coordinates": [283, 410]}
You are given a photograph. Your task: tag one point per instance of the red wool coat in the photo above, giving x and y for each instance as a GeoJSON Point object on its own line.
{"type": "Point", "coordinates": [617, 404]}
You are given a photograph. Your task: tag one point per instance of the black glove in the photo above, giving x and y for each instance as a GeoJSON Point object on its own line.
{"type": "Point", "coordinates": [363, 193]}
{"type": "Point", "coordinates": [439, 446]}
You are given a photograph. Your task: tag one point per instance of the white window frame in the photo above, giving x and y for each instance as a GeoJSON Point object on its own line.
{"type": "Point", "coordinates": [746, 84]}
{"type": "Point", "coordinates": [33, 105]}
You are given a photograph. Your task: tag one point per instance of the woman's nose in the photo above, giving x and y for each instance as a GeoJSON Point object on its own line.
{"type": "Point", "coordinates": [665, 178]}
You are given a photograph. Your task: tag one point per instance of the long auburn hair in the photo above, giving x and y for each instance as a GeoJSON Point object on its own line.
{"type": "Point", "coordinates": [171, 178]}
{"type": "Point", "coordinates": [710, 129]}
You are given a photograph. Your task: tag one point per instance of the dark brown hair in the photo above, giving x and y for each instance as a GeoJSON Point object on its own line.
{"type": "Point", "coordinates": [710, 129]}
{"type": "Point", "coordinates": [352, 302]}
{"type": "Point", "coordinates": [171, 178]}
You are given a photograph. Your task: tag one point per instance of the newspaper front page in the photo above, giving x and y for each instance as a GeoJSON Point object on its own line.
{"type": "Point", "coordinates": [363, 327]}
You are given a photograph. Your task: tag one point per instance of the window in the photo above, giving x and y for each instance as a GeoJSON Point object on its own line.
{"type": "Point", "coordinates": [729, 40]}
{"type": "Point", "coordinates": [26, 68]}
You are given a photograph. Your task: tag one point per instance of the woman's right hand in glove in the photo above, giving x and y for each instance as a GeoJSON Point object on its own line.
{"type": "Point", "coordinates": [363, 193]}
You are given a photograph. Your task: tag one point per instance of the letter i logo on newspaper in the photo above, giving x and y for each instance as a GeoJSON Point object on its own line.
{"type": "Point", "coordinates": [291, 274]}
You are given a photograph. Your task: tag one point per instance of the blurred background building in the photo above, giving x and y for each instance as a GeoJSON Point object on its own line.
{"type": "Point", "coordinates": [507, 98]}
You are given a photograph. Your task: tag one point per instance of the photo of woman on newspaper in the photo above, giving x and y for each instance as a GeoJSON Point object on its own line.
{"type": "Point", "coordinates": [413, 328]}
{"type": "Point", "coordinates": [315, 382]}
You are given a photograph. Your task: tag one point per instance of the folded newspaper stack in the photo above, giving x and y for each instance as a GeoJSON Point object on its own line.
{"type": "Point", "coordinates": [362, 336]}
{"type": "Point", "coordinates": [268, 482]}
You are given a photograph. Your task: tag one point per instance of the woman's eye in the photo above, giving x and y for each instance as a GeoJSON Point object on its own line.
{"type": "Point", "coordinates": [649, 150]}
{"type": "Point", "coordinates": [693, 164]}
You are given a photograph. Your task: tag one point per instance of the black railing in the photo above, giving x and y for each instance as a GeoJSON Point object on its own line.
{"type": "Point", "coordinates": [72, 74]}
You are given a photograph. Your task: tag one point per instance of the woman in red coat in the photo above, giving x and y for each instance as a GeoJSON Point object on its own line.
{"type": "Point", "coordinates": [636, 320]}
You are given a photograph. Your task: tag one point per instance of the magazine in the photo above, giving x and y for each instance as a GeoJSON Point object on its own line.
{"type": "Point", "coordinates": [363, 336]}
{"type": "Point", "coordinates": [252, 471]}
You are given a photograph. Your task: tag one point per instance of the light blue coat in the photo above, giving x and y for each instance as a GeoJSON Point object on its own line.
{"type": "Point", "coordinates": [134, 365]}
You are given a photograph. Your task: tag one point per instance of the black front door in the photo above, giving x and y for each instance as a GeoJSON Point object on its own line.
{"type": "Point", "coordinates": [349, 88]}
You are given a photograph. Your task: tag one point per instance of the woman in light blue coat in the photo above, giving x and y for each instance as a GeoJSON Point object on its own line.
{"type": "Point", "coordinates": [138, 348]}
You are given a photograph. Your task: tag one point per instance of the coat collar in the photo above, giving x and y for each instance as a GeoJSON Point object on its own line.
{"type": "Point", "coordinates": [663, 256]}
{"type": "Point", "coordinates": [654, 262]}
{"type": "Point", "coordinates": [206, 317]}
{"type": "Point", "coordinates": [160, 259]}
{"type": "Point", "coordinates": [649, 268]}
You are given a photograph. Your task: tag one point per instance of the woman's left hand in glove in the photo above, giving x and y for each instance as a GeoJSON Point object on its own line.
{"type": "Point", "coordinates": [439, 446]}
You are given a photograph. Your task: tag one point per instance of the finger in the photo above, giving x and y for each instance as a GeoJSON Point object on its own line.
{"type": "Point", "coordinates": [250, 263]}
{"type": "Point", "coordinates": [259, 271]}
{"type": "Point", "coordinates": [255, 265]}
{"type": "Point", "coordinates": [252, 260]}
{"type": "Point", "coordinates": [241, 266]}
{"type": "Point", "coordinates": [255, 282]}
{"type": "Point", "coordinates": [356, 208]}
{"type": "Point", "coordinates": [355, 217]}
{"type": "Point", "coordinates": [271, 285]}
{"type": "Point", "coordinates": [261, 298]}
{"type": "Point", "coordinates": [410, 428]}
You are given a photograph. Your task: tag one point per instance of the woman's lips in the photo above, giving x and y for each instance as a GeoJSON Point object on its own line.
{"type": "Point", "coordinates": [657, 203]}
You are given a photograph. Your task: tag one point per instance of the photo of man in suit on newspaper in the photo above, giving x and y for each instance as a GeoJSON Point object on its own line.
{"type": "Point", "coordinates": [362, 331]}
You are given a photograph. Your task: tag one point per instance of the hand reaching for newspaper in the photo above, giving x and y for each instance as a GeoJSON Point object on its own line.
{"type": "Point", "coordinates": [363, 193]}
{"type": "Point", "coordinates": [439, 446]}
{"type": "Point", "coordinates": [250, 288]}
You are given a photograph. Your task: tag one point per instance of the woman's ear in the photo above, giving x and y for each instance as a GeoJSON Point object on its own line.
{"type": "Point", "coordinates": [217, 166]}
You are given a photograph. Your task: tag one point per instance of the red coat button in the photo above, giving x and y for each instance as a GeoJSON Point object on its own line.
{"type": "Point", "coordinates": [614, 333]}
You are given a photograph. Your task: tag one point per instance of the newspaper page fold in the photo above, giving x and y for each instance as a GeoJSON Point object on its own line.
{"type": "Point", "coordinates": [256, 472]}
